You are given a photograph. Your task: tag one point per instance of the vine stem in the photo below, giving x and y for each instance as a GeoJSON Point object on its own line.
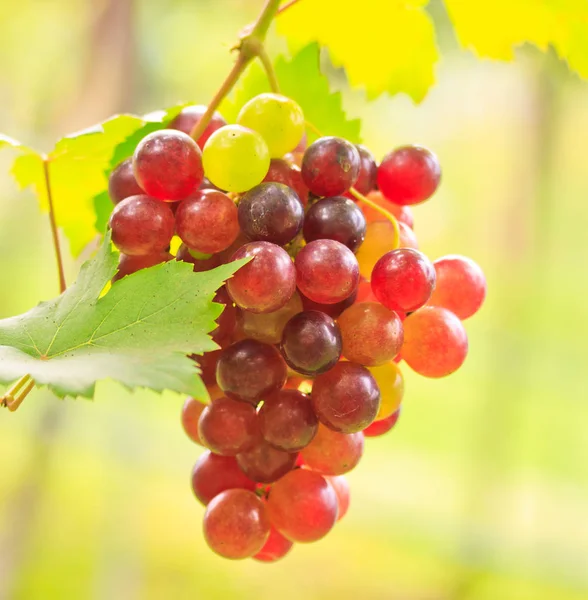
{"type": "Point", "coordinates": [269, 70]}
{"type": "Point", "coordinates": [53, 222]}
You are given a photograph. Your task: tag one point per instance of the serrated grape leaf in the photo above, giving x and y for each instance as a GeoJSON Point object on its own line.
{"type": "Point", "coordinates": [78, 167]}
{"type": "Point", "coordinates": [300, 79]}
{"type": "Point", "coordinates": [138, 333]}
{"type": "Point", "coordinates": [494, 29]}
{"type": "Point", "coordinates": [384, 45]}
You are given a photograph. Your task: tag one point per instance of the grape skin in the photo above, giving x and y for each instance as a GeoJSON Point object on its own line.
{"type": "Point", "coordinates": [276, 547]}
{"type": "Point", "coordinates": [379, 239]}
{"type": "Point", "coordinates": [368, 171]}
{"type": "Point", "coordinates": [264, 463]}
{"type": "Point", "coordinates": [236, 524]}
{"type": "Point", "coordinates": [391, 383]}
{"type": "Point", "coordinates": [380, 427]}
{"type": "Point", "coordinates": [281, 171]}
{"type": "Point", "coordinates": [341, 487]}
{"type": "Point", "coordinates": [122, 182]}
{"type": "Point", "coordinates": [190, 116]}
{"type": "Point", "coordinates": [333, 453]}
{"type": "Point", "coordinates": [191, 412]}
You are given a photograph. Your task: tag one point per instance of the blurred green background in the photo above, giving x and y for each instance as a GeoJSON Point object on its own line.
{"type": "Point", "coordinates": [480, 493]}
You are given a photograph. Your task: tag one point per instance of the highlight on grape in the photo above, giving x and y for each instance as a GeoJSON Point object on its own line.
{"type": "Point", "coordinates": [336, 298]}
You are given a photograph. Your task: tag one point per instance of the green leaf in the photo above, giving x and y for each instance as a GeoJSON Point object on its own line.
{"type": "Point", "coordinates": [493, 30]}
{"type": "Point", "coordinates": [138, 333]}
{"type": "Point", "coordinates": [384, 45]}
{"type": "Point", "coordinates": [299, 78]}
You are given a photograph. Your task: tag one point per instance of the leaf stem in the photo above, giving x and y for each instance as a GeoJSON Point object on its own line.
{"type": "Point", "coordinates": [52, 221]}
{"type": "Point", "coordinates": [13, 398]}
{"type": "Point", "coordinates": [269, 70]}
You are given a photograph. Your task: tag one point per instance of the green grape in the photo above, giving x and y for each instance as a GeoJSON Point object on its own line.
{"type": "Point", "coordinates": [278, 119]}
{"type": "Point", "coordinates": [235, 158]}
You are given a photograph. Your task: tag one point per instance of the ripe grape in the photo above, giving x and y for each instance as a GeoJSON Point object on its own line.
{"type": "Point", "coordinates": [213, 474]}
{"type": "Point", "coordinates": [228, 427]}
{"type": "Point", "coordinates": [380, 238]}
{"type": "Point", "coordinates": [336, 218]}
{"type": "Point", "coordinates": [372, 335]}
{"type": "Point", "coordinates": [276, 547]}
{"type": "Point", "coordinates": [407, 237]}
{"type": "Point", "coordinates": [190, 116]}
{"type": "Point", "coordinates": [435, 342]}
{"type": "Point", "coordinates": [266, 282]}
{"type": "Point", "coordinates": [341, 487]}
{"type": "Point", "coordinates": [122, 182]}
{"type": "Point", "coordinates": [264, 463]}
{"type": "Point", "coordinates": [409, 175]}
{"type": "Point", "coordinates": [281, 171]}
{"type": "Point", "coordinates": [207, 221]}
{"type": "Point", "coordinates": [250, 370]}
{"type": "Point", "coordinates": [330, 166]}
{"type": "Point", "coordinates": [287, 420]}
{"type": "Point", "coordinates": [235, 158]}
{"type": "Point", "coordinates": [271, 212]}
{"type": "Point", "coordinates": [200, 264]}
{"type": "Point", "coordinates": [403, 279]}
{"type": "Point", "coordinates": [364, 292]}
{"type": "Point", "coordinates": [333, 453]}
{"type": "Point", "coordinates": [461, 285]}
{"type": "Point", "coordinates": [191, 412]}
{"type": "Point", "coordinates": [141, 225]}
{"type": "Point", "coordinates": [382, 426]}
{"type": "Point", "coordinates": [346, 398]}
{"type": "Point", "coordinates": [326, 271]}
{"type": "Point", "coordinates": [168, 165]}
{"type": "Point", "coordinates": [268, 327]}
{"type": "Point", "coordinates": [302, 506]}
{"type": "Point", "coordinates": [391, 383]}
{"type": "Point", "coordinates": [333, 310]}
{"type": "Point", "coordinates": [311, 342]}
{"type": "Point", "coordinates": [236, 524]}
{"type": "Point", "coordinates": [368, 171]}
{"type": "Point", "coordinates": [278, 119]}
{"type": "Point", "coordinates": [127, 265]}
{"type": "Point", "coordinates": [227, 320]}
{"type": "Point", "coordinates": [402, 213]}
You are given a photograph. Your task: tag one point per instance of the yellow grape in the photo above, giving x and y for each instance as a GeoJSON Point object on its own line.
{"type": "Point", "coordinates": [379, 239]}
{"type": "Point", "coordinates": [391, 383]}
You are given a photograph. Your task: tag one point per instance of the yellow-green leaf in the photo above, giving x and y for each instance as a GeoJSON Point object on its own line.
{"type": "Point", "coordinates": [494, 29]}
{"type": "Point", "coordinates": [384, 45]}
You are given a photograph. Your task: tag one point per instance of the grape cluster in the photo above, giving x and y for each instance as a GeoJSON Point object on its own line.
{"type": "Point", "coordinates": [314, 326]}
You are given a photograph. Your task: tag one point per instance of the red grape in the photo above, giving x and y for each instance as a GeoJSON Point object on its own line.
{"type": "Point", "coordinates": [409, 175]}
{"type": "Point", "coordinates": [264, 463]}
{"type": "Point", "coordinates": [141, 225]}
{"type": "Point", "coordinates": [333, 310]}
{"type": "Point", "coordinates": [326, 271]}
{"type": "Point", "coordinates": [127, 265]}
{"type": "Point", "coordinates": [122, 182]}
{"type": "Point", "coordinates": [228, 427]}
{"type": "Point", "coordinates": [330, 166]}
{"type": "Point", "coordinates": [302, 506]}
{"type": "Point", "coordinates": [407, 237]}
{"type": "Point", "coordinates": [213, 474]}
{"type": "Point", "coordinates": [236, 524]}
{"type": "Point", "coordinates": [381, 427]}
{"type": "Point", "coordinates": [435, 342]}
{"type": "Point", "coordinates": [341, 487]}
{"type": "Point", "coordinates": [266, 282]}
{"type": "Point", "coordinates": [336, 218]}
{"type": "Point", "coordinates": [333, 453]}
{"type": "Point", "coordinates": [403, 279]}
{"type": "Point", "coordinates": [207, 221]}
{"type": "Point", "coordinates": [311, 342]}
{"type": "Point", "coordinates": [270, 212]}
{"type": "Point", "coordinates": [168, 165]}
{"type": "Point", "coordinates": [281, 171]}
{"type": "Point", "coordinates": [190, 116]}
{"type": "Point", "coordinates": [368, 171]}
{"type": "Point", "coordinates": [461, 285]}
{"type": "Point", "coordinates": [346, 398]}
{"type": "Point", "coordinates": [276, 547]}
{"type": "Point", "coordinates": [372, 334]}
{"type": "Point", "coordinates": [287, 420]}
{"type": "Point", "coordinates": [191, 412]}
{"type": "Point", "coordinates": [250, 370]}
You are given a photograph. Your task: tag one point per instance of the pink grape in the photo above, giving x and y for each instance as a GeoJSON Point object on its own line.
{"type": "Point", "coordinates": [266, 282]}
{"type": "Point", "coordinates": [236, 524]}
{"type": "Point", "coordinates": [141, 225]}
{"type": "Point", "coordinates": [302, 506]}
{"type": "Point", "coordinates": [368, 171]}
{"type": "Point", "coordinates": [213, 474]}
{"type": "Point", "coordinates": [435, 342]}
{"type": "Point", "coordinates": [341, 487]}
{"type": "Point", "coordinates": [407, 237]}
{"type": "Point", "coordinates": [207, 221]}
{"type": "Point", "coordinates": [122, 182]}
{"type": "Point", "coordinates": [228, 427]}
{"type": "Point", "coordinates": [333, 453]}
{"type": "Point", "coordinates": [264, 463]}
{"type": "Point", "coordinates": [346, 398]}
{"type": "Point", "coordinates": [281, 171]}
{"type": "Point", "coordinates": [190, 116]}
{"type": "Point", "coordinates": [332, 310]}
{"type": "Point", "coordinates": [409, 175]}
{"type": "Point", "coordinates": [191, 412]}
{"type": "Point", "coordinates": [403, 279]}
{"type": "Point", "coordinates": [326, 271]}
{"type": "Point", "coordinates": [381, 427]}
{"type": "Point", "coordinates": [461, 285]}
{"type": "Point", "coordinates": [276, 547]}
{"type": "Point", "coordinates": [168, 165]}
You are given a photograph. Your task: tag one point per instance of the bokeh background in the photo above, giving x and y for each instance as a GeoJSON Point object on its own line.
{"type": "Point", "coordinates": [480, 493]}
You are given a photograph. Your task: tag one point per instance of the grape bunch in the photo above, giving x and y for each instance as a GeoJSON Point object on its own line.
{"type": "Point", "coordinates": [335, 295]}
